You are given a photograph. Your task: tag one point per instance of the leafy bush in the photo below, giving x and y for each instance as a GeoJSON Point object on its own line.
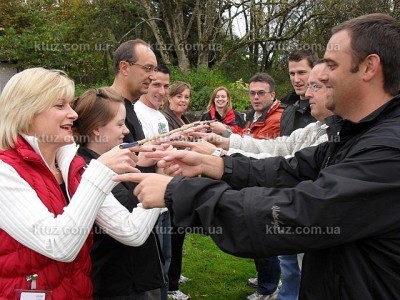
{"type": "Point", "coordinates": [80, 88]}
{"type": "Point", "coordinates": [204, 81]}
{"type": "Point", "coordinates": [240, 95]}
{"type": "Point", "coordinates": [200, 98]}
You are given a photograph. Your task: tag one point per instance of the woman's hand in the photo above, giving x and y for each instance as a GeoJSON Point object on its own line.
{"type": "Point", "coordinates": [178, 162]}
{"type": "Point", "coordinates": [202, 147]}
{"type": "Point", "coordinates": [150, 147]}
{"type": "Point", "coordinates": [120, 160]}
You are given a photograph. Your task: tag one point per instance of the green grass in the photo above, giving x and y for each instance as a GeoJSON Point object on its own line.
{"type": "Point", "coordinates": [213, 273]}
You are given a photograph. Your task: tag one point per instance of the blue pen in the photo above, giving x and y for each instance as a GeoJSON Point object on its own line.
{"type": "Point", "coordinates": [128, 145]}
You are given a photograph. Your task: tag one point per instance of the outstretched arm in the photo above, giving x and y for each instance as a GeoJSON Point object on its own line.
{"type": "Point", "coordinates": [189, 163]}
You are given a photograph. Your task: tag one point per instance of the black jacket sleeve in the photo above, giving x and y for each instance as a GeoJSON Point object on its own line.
{"type": "Point", "coordinates": [273, 171]}
{"type": "Point", "coordinates": [350, 201]}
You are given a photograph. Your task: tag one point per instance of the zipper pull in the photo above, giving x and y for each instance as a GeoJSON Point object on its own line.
{"type": "Point", "coordinates": [32, 279]}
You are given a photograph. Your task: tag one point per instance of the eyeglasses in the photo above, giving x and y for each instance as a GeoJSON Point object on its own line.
{"type": "Point", "coordinates": [259, 93]}
{"type": "Point", "coordinates": [148, 69]}
{"type": "Point", "coordinates": [314, 87]}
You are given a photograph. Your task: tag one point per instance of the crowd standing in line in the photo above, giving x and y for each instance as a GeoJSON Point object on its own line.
{"type": "Point", "coordinates": [340, 187]}
{"type": "Point", "coordinates": [263, 206]}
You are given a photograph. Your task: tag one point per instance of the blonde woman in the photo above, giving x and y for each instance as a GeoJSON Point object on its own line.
{"type": "Point", "coordinates": [49, 197]}
{"type": "Point", "coordinates": [220, 109]}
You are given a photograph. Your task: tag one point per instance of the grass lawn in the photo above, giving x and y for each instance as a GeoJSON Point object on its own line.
{"type": "Point", "coordinates": [213, 273]}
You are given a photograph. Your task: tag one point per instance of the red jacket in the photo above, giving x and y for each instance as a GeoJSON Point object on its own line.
{"type": "Point", "coordinates": [268, 125]}
{"type": "Point", "coordinates": [233, 119]}
{"type": "Point", "coordinates": [65, 280]}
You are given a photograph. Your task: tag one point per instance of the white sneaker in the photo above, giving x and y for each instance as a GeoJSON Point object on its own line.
{"type": "Point", "coordinates": [257, 296]}
{"type": "Point", "coordinates": [253, 282]}
{"type": "Point", "coordinates": [183, 279]}
{"type": "Point", "coordinates": [177, 295]}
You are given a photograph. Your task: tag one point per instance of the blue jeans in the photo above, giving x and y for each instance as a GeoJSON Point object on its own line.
{"type": "Point", "coordinates": [268, 273]}
{"type": "Point", "coordinates": [163, 228]}
{"type": "Point", "coordinates": [291, 277]}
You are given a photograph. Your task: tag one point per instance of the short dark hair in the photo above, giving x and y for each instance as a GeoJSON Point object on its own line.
{"type": "Point", "coordinates": [264, 77]}
{"type": "Point", "coordinates": [126, 52]}
{"type": "Point", "coordinates": [376, 34]}
{"type": "Point", "coordinates": [163, 69]}
{"type": "Point", "coordinates": [304, 52]}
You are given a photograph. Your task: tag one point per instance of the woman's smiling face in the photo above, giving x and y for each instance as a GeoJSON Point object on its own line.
{"type": "Point", "coordinates": [180, 102]}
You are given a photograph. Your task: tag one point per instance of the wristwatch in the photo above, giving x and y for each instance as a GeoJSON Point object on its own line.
{"type": "Point", "coordinates": [217, 152]}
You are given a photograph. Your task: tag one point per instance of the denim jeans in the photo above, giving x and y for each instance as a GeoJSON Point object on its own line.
{"type": "Point", "coordinates": [268, 274]}
{"type": "Point", "coordinates": [291, 277]}
{"type": "Point", "coordinates": [163, 229]}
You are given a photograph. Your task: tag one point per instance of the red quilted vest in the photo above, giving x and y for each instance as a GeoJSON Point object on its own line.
{"type": "Point", "coordinates": [66, 280]}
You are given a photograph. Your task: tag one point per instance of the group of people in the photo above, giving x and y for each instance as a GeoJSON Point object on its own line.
{"type": "Point", "coordinates": [86, 222]}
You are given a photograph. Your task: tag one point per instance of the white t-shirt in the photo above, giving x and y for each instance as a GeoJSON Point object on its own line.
{"type": "Point", "coordinates": [153, 121]}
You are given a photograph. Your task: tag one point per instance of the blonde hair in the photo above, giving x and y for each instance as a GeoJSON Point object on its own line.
{"type": "Point", "coordinates": [27, 94]}
{"type": "Point", "coordinates": [212, 100]}
{"type": "Point", "coordinates": [95, 108]}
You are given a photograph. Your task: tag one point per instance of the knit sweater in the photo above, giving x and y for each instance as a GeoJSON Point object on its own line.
{"type": "Point", "coordinates": [311, 135]}
{"type": "Point", "coordinates": [60, 235]}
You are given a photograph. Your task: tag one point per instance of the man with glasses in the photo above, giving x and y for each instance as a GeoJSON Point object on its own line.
{"type": "Point", "coordinates": [297, 114]}
{"type": "Point", "coordinates": [264, 120]}
{"type": "Point", "coordinates": [134, 66]}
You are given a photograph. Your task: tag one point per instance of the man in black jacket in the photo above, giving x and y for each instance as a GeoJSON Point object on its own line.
{"type": "Point", "coordinates": [297, 113]}
{"type": "Point", "coordinates": [338, 202]}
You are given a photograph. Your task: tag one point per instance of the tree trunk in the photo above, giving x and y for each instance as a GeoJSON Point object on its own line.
{"type": "Point", "coordinates": [161, 45]}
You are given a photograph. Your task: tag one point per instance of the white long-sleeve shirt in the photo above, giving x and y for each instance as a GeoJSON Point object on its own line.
{"type": "Point", "coordinates": [311, 135]}
{"type": "Point", "coordinates": [24, 217]}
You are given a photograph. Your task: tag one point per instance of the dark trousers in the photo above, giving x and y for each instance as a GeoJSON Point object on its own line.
{"type": "Point", "coordinates": [134, 296]}
{"type": "Point", "coordinates": [268, 273]}
{"type": "Point", "coordinates": [175, 268]}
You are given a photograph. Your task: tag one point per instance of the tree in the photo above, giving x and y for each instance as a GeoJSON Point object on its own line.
{"type": "Point", "coordinates": [267, 25]}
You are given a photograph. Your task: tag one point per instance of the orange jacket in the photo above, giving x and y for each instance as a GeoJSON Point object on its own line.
{"type": "Point", "coordinates": [268, 125]}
